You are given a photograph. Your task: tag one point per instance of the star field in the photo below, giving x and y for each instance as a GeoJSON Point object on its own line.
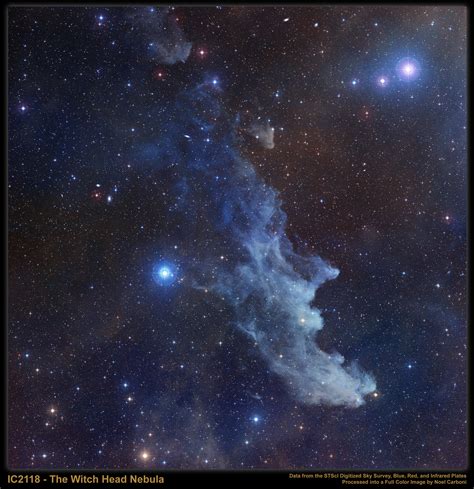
{"type": "Point", "coordinates": [237, 237]}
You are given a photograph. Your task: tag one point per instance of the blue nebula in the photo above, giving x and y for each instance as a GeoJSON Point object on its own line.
{"type": "Point", "coordinates": [265, 283]}
{"type": "Point", "coordinates": [164, 274]}
{"type": "Point", "coordinates": [408, 69]}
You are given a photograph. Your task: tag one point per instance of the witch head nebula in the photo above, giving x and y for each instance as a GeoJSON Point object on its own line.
{"type": "Point", "coordinates": [237, 237]}
{"type": "Point", "coordinates": [270, 287]}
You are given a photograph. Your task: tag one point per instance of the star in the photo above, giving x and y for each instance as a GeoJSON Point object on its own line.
{"type": "Point", "coordinates": [164, 273]}
{"type": "Point", "coordinates": [96, 195]}
{"type": "Point", "coordinates": [202, 53]}
{"type": "Point", "coordinates": [408, 69]}
{"type": "Point", "coordinates": [382, 81]}
{"type": "Point", "coordinates": [158, 74]}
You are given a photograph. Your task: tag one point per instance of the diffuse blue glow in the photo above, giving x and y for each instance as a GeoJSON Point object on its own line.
{"type": "Point", "coordinates": [269, 286]}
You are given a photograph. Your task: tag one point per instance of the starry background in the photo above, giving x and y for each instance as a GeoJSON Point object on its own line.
{"type": "Point", "coordinates": [118, 358]}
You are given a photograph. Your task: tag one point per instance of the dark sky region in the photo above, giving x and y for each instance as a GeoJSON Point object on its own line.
{"type": "Point", "coordinates": [237, 237]}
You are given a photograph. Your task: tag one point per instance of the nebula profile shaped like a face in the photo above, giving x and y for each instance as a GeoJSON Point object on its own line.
{"type": "Point", "coordinates": [248, 264]}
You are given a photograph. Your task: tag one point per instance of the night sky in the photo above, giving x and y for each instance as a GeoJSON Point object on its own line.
{"type": "Point", "coordinates": [237, 237]}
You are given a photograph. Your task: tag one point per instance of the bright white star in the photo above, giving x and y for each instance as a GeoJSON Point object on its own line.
{"type": "Point", "coordinates": [408, 69]}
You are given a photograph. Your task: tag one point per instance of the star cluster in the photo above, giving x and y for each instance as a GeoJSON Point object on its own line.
{"type": "Point", "coordinates": [237, 237]}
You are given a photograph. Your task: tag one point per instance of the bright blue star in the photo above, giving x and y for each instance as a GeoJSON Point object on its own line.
{"type": "Point", "coordinates": [164, 274]}
{"type": "Point", "coordinates": [213, 81]}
